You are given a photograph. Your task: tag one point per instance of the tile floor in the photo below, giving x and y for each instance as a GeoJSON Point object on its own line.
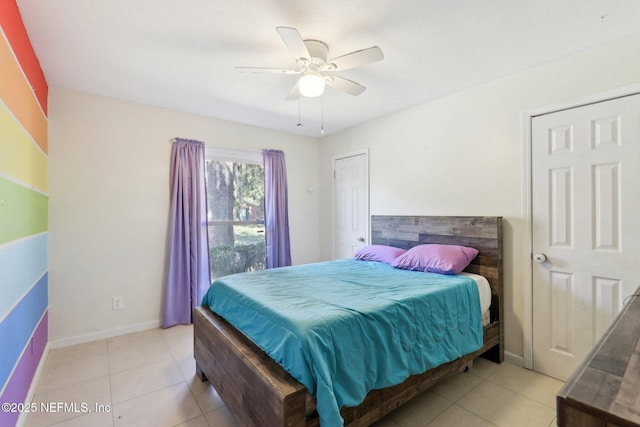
{"type": "Point", "coordinates": [148, 379]}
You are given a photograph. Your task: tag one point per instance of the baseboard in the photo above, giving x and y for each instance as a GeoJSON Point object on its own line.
{"type": "Point", "coordinates": [34, 385]}
{"type": "Point", "coordinates": [514, 359]}
{"type": "Point", "coordinates": [94, 336]}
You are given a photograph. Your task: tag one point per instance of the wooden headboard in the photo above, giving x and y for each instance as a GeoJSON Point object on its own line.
{"type": "Point", "coordinates": [481, 232]}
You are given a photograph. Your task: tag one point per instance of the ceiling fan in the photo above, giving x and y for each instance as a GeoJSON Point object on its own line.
{"type": "Point", "coordinates": [311, 58]}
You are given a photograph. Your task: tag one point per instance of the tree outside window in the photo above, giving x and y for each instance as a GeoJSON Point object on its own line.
{"type": "Point", "coordinates": [235, 216]}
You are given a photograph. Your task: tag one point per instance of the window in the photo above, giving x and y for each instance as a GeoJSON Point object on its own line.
{"type": "Point", "coordinates": [235, 199]}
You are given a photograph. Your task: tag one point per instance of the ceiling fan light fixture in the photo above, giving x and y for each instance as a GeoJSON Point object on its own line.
{"type": "Point", "coordinates": [311, 85]}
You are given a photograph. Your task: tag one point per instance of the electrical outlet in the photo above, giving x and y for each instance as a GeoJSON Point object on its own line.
{"type": "Point", "coordinates": [117, 303]}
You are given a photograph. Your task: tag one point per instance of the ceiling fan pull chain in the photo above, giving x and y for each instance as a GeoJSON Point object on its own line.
{"type": "Point", "coordinates": [322, 116]}
{"type": "Point", "coordinates": [299, 124]}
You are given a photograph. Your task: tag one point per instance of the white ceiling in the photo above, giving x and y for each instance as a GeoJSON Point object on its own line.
{"type": "Point", "coordinates": [181, 54]}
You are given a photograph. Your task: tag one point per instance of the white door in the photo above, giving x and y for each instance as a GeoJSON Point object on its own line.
{"type": "Point", "coordinates": [351, 212]}
{"type": "Point", "coordinates": [585, 192]}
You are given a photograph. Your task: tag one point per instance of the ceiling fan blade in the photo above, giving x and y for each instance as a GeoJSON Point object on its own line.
{"type": "Point", "coordinates": [346, 85]}
{"type": "Point", "coordinates": [357, 58]}
{"type": "Point", "coordinates": [294, 92]}
{"type": "Point", "coordinates": [291, 37]}
{"type": "Point", "coordinates": [260, 70]}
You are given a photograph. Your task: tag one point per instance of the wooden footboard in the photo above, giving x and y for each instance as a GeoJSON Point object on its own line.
{"type": "Point", "coordinates": [245, 376]}
{"type": "Point", "coordinates": [259, 392]}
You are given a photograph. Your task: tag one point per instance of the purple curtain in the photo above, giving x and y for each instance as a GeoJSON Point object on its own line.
{"type": "Point", "coordinates": [276, 217]}
{"type": "Point", "coordinates": [188, 265]}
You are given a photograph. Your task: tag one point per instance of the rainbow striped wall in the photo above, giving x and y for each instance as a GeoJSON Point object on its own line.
{"type": "Point", "coordinates": [23, 211]}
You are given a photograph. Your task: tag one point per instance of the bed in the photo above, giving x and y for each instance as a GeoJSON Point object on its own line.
{"type": "Point", "coordinates": [259, 392]}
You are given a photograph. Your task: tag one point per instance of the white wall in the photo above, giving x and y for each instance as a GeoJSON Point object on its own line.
{"type": "Point", "coordinates": [463, 154]}
{"type": "Point", "coordinates": [109, 206]}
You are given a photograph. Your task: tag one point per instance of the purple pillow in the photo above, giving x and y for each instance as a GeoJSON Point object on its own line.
{"type": "Point", "coordinates": [443, 259]}
{"type": "Point", "coordinates": [380, 253]}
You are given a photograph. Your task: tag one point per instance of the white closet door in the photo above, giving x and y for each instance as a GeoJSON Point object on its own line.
{"type": "Point", "coordinates": [585, 199]}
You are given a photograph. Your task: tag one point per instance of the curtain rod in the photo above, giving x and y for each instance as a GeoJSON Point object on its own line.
{"type": "Point", "coordinates": [172, 140]}
{"type": "Point", "coordinates": [213, 147]}
{"type": "Point", "coordinates": [224, 150]}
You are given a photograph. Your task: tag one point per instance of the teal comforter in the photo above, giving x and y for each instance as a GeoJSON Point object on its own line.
{"type": "Point", "coordinates": [343, 328]}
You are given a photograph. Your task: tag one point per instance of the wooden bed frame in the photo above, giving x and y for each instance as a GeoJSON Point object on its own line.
{"type": "Point", "coordinates": [259, 392]}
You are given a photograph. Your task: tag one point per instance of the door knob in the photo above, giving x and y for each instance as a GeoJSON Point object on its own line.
{"type": "Point", "coordinates": [361, 239]}
{"type": "Point", "coordinates": [539, 258]}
